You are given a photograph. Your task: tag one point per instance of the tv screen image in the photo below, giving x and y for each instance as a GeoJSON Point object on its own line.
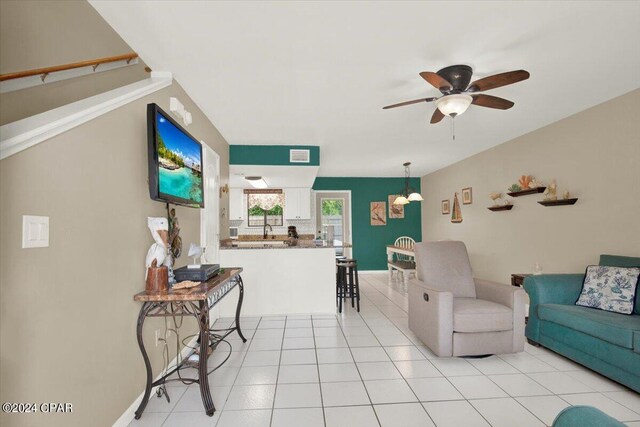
{"type": "Point", "coordinates": [176, 173]}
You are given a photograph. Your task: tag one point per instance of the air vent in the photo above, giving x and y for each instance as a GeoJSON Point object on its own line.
{"type": "Point", "coordinates": [299, 156]}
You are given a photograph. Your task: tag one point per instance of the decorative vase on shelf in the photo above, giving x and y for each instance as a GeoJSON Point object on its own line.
{"type": "Point", "coordinates": [537, 269]}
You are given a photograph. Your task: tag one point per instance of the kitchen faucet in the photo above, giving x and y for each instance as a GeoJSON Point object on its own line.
{"type": "Point", "coordinates": [264, 230]}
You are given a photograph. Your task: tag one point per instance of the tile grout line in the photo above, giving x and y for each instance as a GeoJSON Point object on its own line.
{"type": "Point", "coordinates": [376, 309]}
{"type": "Point", "coordinates": [508, 395]}
{"type": "Point", "coordinates": [403, 378]}
{"type": "Point", "coordinates": [313, 332]}
{"type": "Point", "coordinates": [443, 375]}
{"type": "Point", "coordinates": [275, 390]}
{"type": "Point", "coordinates": [358, 369]}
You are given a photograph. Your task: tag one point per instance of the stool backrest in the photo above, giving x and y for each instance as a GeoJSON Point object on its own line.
{"type": "Point", "coordinates": [404, 242]}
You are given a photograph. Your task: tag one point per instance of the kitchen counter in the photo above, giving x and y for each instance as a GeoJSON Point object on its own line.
{"type": "Point", "coordinates": [278, 245]}
{"type": "Point", "coordinates": [282, 280]}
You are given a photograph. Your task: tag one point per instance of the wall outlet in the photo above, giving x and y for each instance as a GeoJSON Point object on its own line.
{"type": "Point", "coordinates": [158, 336]}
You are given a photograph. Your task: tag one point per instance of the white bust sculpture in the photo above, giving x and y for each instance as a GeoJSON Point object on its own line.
{"type": "Point", "coordinates": [159, 227]}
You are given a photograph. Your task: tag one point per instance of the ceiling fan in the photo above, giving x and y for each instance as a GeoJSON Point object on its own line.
{"type": "Point", "coordinates": [458, 94]}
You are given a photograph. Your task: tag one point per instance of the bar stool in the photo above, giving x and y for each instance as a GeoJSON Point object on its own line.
{"type": "Point", "coordinates": [339, 258]}
{"type": "Point", "coordinates": [347, 283]}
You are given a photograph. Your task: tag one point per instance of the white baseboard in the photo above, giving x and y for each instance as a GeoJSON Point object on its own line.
{"type": "Point", "coordinates": [130, 413]}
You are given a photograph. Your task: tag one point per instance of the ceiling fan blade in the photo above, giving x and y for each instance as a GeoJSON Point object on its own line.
{"type": "Point", "coordinates": [415, 101]}
{"type": "Point", "coordinates": [437, 116]}
{"type": "Point", "coordinates": [436, 81]}
{"type": "Point", "coordinates": [491, 102]}
{"type": "Point", "coordinates": [498, 80]}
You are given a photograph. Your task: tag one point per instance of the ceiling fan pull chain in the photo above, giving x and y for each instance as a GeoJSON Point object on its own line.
{"type": "Point", "coordinates": [453, 127]}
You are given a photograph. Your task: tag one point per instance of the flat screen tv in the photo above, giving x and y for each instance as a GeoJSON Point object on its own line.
{"type": "Point", "coordinates": [175, 161]}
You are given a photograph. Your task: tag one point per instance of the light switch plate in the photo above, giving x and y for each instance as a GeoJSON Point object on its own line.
{"type": "Point", "coordinates": [35, 231]}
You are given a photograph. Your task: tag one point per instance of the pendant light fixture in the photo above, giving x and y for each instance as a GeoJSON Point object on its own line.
{"type": "Point", "coordinates": [408, 194]}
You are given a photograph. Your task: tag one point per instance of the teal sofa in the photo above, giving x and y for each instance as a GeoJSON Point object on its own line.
{"type": "Point", "coordinates": [606, 342]}
{"type": "Point", "coordinates": [584, 416]}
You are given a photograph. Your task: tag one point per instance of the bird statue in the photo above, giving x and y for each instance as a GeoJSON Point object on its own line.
{"type": "Point", "coordinates": [159, 227]}
{"type": "Point", "coordinates": [550, 194]}
{"type": "Point", "coordinates": [497, 197]}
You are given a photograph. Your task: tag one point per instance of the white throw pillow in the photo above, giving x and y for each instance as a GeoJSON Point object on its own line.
{"type": "Point", "coordinates": [609, 288]}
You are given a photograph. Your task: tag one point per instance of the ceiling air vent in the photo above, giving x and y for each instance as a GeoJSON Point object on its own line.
{"type": "Point", "coordinates": [299, 156]}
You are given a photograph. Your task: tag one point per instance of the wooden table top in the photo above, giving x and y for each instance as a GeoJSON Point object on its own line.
{"type": "Point", "coordinates": [399, 248]}
{"type": "Point", "coordinates": [197, 293]}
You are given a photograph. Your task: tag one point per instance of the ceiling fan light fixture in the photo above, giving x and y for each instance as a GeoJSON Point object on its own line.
{"type": "Point", "coordinates": [454, 105]}
{"type": "Point", "coordinates": [415, 197]}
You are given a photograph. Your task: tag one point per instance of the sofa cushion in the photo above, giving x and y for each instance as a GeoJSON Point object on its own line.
{"type": "Point", "coordinates": [623, 261]}
{"type": "Point", "coordinates": [477, 315]}
{"type": "Point", "coordinates": [610, 327]}
{"type": "Point", "coordinates": [445, 266]}
{"type": "Point", "coordinates": [636, 341]}
{"type": "Point", "coordinates": [609, 288]}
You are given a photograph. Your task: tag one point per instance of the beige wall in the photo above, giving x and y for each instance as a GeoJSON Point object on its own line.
{"type": "Point", "coordinates": [67, 315]}
{"type": "Point", "coordinates": [37, 34]}
{"type": "Point", "coordinates": [594, 154]}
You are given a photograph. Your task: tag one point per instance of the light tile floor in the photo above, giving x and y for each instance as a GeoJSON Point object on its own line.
{"type": "Point", "coordinates": [368, 370]}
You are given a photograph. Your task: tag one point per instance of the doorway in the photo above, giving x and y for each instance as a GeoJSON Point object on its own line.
{"type": "Point", "coordinates": [210, 214]}
{"type": "Point", "coordinates": [333, 218]}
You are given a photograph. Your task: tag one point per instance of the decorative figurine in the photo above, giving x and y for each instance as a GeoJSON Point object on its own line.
{"type": "Point", "coordinates": [195, 251]}
{"type": "Point", "coordinates": [157, 278]}
{"type": "Point", "coordinates": [498, 200]}
{"type": "Point", "coordinates": [175, 244]}
{"type": "Point", "coordinates": [159, 231]}
{"type": "Point", "coordinates": [535, 183]}
{"type": "Point", "coordinates": [525, 182]}
{"type": "Point", "coordinates": [566, 195]}
{"type": "Point", "coordinates": [550, 194]}
{"type": "Point", "coordinates": [175, 241]}
{"type": "Point", "coordinates": [514, 188]}
{"type": "Point", "coordinates": [456, 215]}
{"type": "Point", "coordinates": [158, 261]}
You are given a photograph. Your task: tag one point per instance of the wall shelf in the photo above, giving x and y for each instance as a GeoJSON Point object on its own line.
{"type": "Point", "coordinates": [527, 192]}
{"type": "Point", "coordinates": [500, 208]}
{"type": "Point", "coordinates": [563, 202]}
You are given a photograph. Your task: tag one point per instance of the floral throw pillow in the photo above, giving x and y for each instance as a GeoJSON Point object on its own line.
{"type": "Point", "coordinates": [609, 288]}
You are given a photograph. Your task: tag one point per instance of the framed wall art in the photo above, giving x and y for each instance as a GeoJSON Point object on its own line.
{"type": "Point", "coordinates": [395, 211]}
{"type": "Point", "coordinates": [378, 213]}
{"type": "Point", "coordinates": [467, 196]}
{"type": "Point", "coordinates": [446, 208]}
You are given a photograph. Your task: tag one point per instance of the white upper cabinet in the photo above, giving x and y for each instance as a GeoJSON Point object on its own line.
{"type": "Point", "coordinates": [297, 203]}
{"type": "Point", "coordinates": [237, 204]}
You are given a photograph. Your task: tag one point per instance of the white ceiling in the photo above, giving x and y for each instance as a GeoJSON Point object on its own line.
{"type": "Point", "coordinates": [319, 73]}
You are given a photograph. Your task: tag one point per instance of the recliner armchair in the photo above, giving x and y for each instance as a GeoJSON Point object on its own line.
{"type": "Point", "coordinates": [456, 315]}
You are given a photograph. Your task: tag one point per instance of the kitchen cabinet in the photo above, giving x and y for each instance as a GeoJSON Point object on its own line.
{"type": "Point", "coordinates": [237, 204]}
{"type": "Point", "coordinates": [297, 203]}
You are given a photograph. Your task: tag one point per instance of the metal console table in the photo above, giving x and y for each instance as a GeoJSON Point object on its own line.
{"type": "Point", "coordinates": [196, 302]}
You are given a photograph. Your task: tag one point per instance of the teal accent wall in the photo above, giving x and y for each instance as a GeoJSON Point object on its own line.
{"type": "Point", "coordinates": [369, 242]}
{"type": "Point", "coordinates": [272, 155]}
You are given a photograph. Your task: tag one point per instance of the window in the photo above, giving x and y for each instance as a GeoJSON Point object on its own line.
{"type": "Point", "coordinates": [265, 207]}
